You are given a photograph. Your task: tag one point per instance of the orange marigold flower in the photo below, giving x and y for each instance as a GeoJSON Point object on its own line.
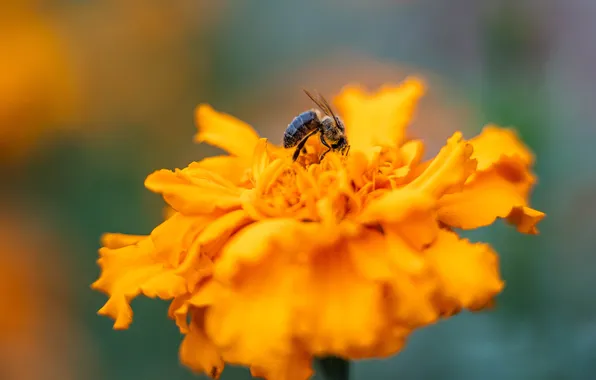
{"type": "Point", "coordinates": [270, 263]}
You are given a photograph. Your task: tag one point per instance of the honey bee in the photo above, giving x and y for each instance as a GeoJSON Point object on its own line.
{"type": "Point", "coordinates": [323, 121]}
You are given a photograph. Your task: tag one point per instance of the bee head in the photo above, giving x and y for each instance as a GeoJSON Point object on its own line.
{"type": "Point", "coordinates": [339, 123]}
{"type": "Point", "coordinates": [340, 144]}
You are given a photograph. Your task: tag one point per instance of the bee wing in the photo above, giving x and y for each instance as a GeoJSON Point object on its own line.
{"type": "Point", "coordinates": [320, 101]}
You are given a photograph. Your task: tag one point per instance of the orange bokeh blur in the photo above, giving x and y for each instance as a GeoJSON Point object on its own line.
{"type": "Point", "coordinates": [38, 85]}
{"type": "Point", "coordinates": [39, 335]}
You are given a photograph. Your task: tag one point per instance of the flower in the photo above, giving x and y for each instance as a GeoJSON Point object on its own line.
{"type": "Point", "coordinates": [270, 262]}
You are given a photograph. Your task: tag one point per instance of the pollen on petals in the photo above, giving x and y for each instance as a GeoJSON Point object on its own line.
{"type": "Point", "coordinates": [269, 262]}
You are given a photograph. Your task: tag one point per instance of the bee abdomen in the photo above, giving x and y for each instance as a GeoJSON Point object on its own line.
{"type": "Point", "coordinates": [301, 126]}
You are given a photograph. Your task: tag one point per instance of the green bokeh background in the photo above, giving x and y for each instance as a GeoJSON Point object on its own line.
{"type": "Point", "coordinates": [511, 63]}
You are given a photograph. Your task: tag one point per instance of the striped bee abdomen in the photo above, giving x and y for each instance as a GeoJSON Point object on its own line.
{"type": "Point", "coordinates": [300, 127]}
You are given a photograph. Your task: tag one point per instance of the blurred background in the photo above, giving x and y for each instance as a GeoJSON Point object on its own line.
{"type": "Point", "coordinates": [95, 95]}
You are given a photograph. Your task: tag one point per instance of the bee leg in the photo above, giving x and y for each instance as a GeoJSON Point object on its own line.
{"type": "Point", "coordinates": [347, 150]}
{"type": "Point", "coordinates": [324, 142]}
{"type": "Point", "coordinates": [300, 145]}
{"type": "Point", "coordinates": [296, 153]}
{"type": "Point", "coordinates": [323, 155]}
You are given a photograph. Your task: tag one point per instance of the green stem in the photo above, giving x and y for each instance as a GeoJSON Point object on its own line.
{"type": "Point", "coordinates": [334, 368]}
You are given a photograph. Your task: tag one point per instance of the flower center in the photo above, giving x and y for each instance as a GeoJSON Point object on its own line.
{"type": "Point", "coordinates": [331, 190]}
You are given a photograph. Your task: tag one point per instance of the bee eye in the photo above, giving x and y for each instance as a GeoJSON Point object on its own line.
{"type": "Point", "coordinates": [340, 143]}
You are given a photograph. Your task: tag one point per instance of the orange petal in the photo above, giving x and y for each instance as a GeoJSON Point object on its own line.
{"type": "Point", "coordinates": [122, 271]}
{"type": "Point", "coordinates": [396, 206]}
{"type": "Point", "coordinates": [192, 196]}
{"type": "Point", "coordinates": [499, 189]}
{"type": "Point", "coordinates": [252, 321]}
{"type": "Point", "coordinates": [178, 311]}
{"type": "Point", "coordinates": [164, 285]}
{"type": "Point", "coordinates": [378, 119]}
{"type": "Point", "coordinates": [174, 236]}
{"type": "Point", "coordinates": [411, 152]}
{"type": "Point", "coordinates": [197, 351]}
{"type": "Point", "coordinates": [340, 312]}
{"type": "Point", "coordinates": [269, 175]}
{"type": "Point", "coordinates": [261, 159]}
{"type": "Point", "coordinates": [114, 241]}
{"type": "Point", "coordinates": [525, 219]}
{"type": "Point", "coordinates": [218, 232]}
{"type": "Point", "coordinates": [148, 267]}
{"type": "Point", "coordinates": [400, 254]}
{"type": "Point", "coordinates": [231, 168]}
{"type": "Point", "coordinates": [357, 165]}
{"type": "Point", "coordinates": [487, 197]}
{"type": "Point", "coordinates": [410, 301]}
{"type": "Point", "coordinates": [297, 366]}
{"type": "Point", "coordinates": [368, 253]}
{"type": "Point", "coordinates": [411, 288]}
{"type": "Point", "coordinates": [258, 241]}
{"type": "Point", "coordinates": [468, 273]}
{"type": "Point", "coordinates": [225, 132]}
{"type": "Point", "coordinates": [494, 143]}
{"type": "Point", "coordinates": [390, 260]}
{"type": "Point", "coordinates": [449, 170]}
{"type": "Point", "coordinates": [395, 340]}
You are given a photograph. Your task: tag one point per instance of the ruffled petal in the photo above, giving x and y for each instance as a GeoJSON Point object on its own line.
{"type": "Point", "coordinates": [150, 266]}
{"type": "Point", "coordinates": [114, 241]}
{"type": "Point", "coordinates": [412, 286]}
{"type": "Point", "coordinates": [217, 233]}
{"type": "Point", "coordinates": [378, 119]}
{"type": "Point", "coordinates": [396, 206]}
{"type": "Point", "coordinates": [394, 341]}
{"type": "Point", "coordinates": [525, 219]}
{"type": "Point", "coordinates": [389, 260]}
{"type": "Point", "coordinates": [259, 241]}
{"type": "Point", "coordinates": [333, 289]}
{"type": "Point", "coordinates": [298, 366]}
{"type": "Point", "coordinates": [468, 273]}
{"type": "Point", "coordinates": [123, 270]}
{"type": "Point", "coordinates": [252, 320]}
{"type": "Point", "coordinates": [500, 186]}
{"type": "Point", "coordinates": [406, 211]}
{"type": "Point", "coordinates": [178, 311]}
{"type": "Point", "coordinates": [411, 153]}
{"type": "Point", "coordinates": [194, 191]}
{"type": "Point", "coordinates": [225, 132]}
{"type": "Point", "coordinates": [232, 168]}
{"type": "Point", "coordinates": [449, 170]}
{"type": "Point", "coordinates": [173, 238]}
{"type": "Point", "coordinates": [400, 254]}
{"type": "Point", "coordinates": [264, 154]}
{"type": "Point", "coordinates": [493, 143]}
{"type": "Point", "coordinates": [197, 351]}
{"type": "Point", "coordinates": [487, 197]}
{"type": "Point", "coordinates": [369, 256]}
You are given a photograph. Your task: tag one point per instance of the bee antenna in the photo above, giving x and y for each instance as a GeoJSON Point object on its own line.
{"type": "Point", "coordinates": [320, 101]}
{"type": "Point", "coordinates": [310, 95]}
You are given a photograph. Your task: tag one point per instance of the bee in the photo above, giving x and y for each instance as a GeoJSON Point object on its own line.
{"type": "Point", "coordinates": [323, 121]}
